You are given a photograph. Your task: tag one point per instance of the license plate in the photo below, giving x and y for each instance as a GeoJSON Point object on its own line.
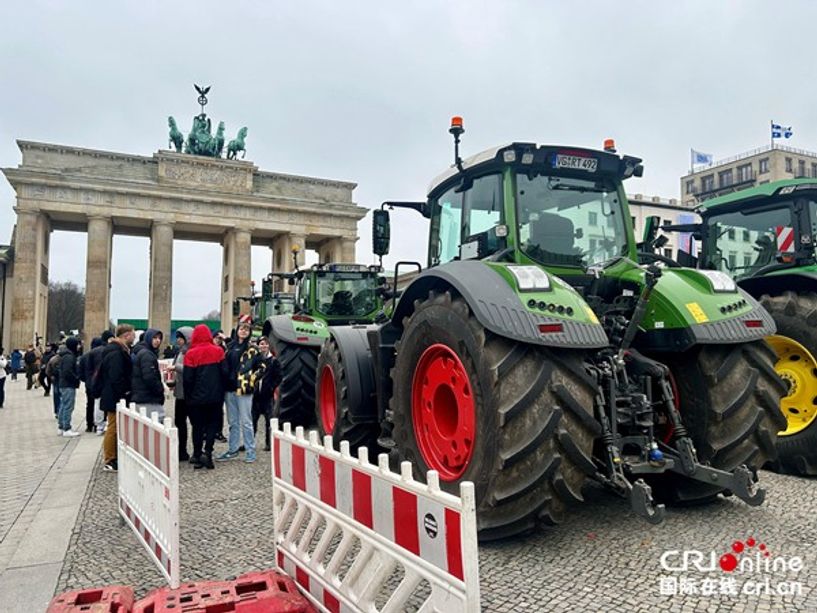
{"type": "Point", "coordinates": [576, 162]}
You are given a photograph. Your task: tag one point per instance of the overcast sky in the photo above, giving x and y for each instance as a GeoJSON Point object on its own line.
{"type": "Point", "coordinates": [363, 91]}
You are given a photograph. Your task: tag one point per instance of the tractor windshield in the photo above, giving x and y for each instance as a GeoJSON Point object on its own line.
{"type": "Point", "coordinates": [348, 294]}
{"type": "Point", "coordinates": [742, 242]}
{"type": "Point", "coordinates": [569, 222]}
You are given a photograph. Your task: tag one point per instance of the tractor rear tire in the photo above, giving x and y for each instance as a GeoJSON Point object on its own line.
{"type": "Point", "coordinates": [796, 318]}
{"type": "Point", "coordinates": [332, 410]}
{"type": "Point", "coordinates": [515, 419]}
{"type": "Point", "coordinates": [729, 399]}
{"type": "Point", "coordinates": [296, 394]}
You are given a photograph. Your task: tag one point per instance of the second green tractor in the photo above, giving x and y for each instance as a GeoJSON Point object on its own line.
{"type": "Point", "coordinates": [764, 238]}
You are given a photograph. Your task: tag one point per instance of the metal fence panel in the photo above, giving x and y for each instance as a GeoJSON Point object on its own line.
{"type": "Point", "coordinates": [148, 476]}
{"type": "Point", "coordinates": [358, 537]}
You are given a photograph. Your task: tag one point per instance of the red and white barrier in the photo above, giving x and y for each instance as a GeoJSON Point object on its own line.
{"type": "Point", "coordinates": [357, 537]}
{"type": "Point", "coordinates": [148, 475]}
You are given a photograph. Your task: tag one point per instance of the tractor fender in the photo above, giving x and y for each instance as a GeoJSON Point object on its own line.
{"type": "Point", "coordinates": [775, 284]}
{"type": "Point", "coordinates": [356, 356]}
{"type": "Point", "coordinates": [284, 328]}
{"type": "Point", "coordinates": [496, 306]}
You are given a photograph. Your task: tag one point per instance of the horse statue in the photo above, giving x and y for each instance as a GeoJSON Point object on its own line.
{"type": "Point", "coordinates": [218, 140]}
{"type": "Point", "coordinates": [234, 146]}
{"type": "Point", "coordinates": [176, 138]}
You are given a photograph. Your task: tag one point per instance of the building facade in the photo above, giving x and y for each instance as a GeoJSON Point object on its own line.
{"type": "Point", "coordinates": [747, 170]}
{"type": "Point", "coordinates": [670, 211]}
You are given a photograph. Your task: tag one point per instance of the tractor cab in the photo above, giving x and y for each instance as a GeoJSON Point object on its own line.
{"type": "Point", "coordinates": [346, 292]}
{"type": "Point", "coordinates": [759, 231]}
{"type": "Point", "coordinates": [558, 207]}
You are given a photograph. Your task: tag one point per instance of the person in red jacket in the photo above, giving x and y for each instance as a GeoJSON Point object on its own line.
{"type": "Point", "coordinates": [203, 393]}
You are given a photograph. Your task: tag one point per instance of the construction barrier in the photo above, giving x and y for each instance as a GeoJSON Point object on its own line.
{"type": "Point", "coordinates": [112, 599]}
{"type": "Point", "coordinates": [357, 537]}
{"type": "Point", "coordinates": [257, 592]}
{"type": "Point", "coordinates": [148, 458]}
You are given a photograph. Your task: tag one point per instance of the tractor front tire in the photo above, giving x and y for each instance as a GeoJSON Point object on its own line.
{"type": "Point", "coordinates": [296, 394]}
{"type": "Point", "coordinates": [332, 410]}
{"type": "Point", "coordinates": [515, 419]}
{"type": "Point", "coordinates": [729, 399]}
{"type": "Point", "coordinates": [796, 318]}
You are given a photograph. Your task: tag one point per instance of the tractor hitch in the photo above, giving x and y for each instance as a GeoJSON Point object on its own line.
{"type": "Point", "coordinates": [643, 505]}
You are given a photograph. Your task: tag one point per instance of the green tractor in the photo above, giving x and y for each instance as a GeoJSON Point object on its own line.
{"type": "Point", "coordinates": [266, 305]}
{"type": "Point", "coordinates": [535, 352]}
{"type": "Point", "coordinates": [325, 295]}
{"type": "Point", "coordinates": [764, 238]}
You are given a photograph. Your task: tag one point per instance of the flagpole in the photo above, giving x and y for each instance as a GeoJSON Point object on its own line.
{"type": "Point", "coordinates": [691, 158]}
{"type": "Point", "coordinates": [771, 133]}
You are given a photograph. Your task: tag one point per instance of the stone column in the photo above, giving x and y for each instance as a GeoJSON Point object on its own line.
{"type": "Point", "coordinates": [282, 260]}
{"type": "Point", "coordinates": [330, 251]}
{"type": "Point", "coordinates": [236, 274]}
{"type": "Point", "coordinates": [30, 298]}
{"type": "Point", "coordinates": [160, 300]}
{"type": "Point", "coordinates": [98, 278]}
{"type": "Point", "coordinates": [347, 250]}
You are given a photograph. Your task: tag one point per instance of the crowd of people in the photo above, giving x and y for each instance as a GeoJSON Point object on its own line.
{"type": "Point", "coordinates": [208, 372]}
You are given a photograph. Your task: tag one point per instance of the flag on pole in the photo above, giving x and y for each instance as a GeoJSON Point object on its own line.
{"type": "Point", "coordinates": [701, 158]}
{"type": "Point", "coordinates": [779, 131]}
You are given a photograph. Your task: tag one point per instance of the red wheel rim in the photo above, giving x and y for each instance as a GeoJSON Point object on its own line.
{"type": "Point", "coordinates": [329, 403]}
{"type": "Point", "coordinates": [443, 411]}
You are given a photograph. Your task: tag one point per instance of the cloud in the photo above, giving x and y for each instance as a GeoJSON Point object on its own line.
{"type": "Point", "coordinates": [363, 92]}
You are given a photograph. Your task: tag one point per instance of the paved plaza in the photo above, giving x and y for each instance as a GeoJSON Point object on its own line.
{"type": "Point", "coordinates": [60, 531]}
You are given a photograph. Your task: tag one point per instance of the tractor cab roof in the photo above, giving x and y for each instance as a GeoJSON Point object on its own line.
{"type": "Point", "coordinates": [527, 155]}
{"type": "Point", "coordinates": [785, 187]}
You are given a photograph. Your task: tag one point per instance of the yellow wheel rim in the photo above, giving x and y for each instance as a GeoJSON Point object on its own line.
{"type": "Point", "coordinates": [798, 368]}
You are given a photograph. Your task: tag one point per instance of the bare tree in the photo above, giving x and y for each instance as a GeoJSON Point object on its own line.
{"type": "Point", "coordinates": [66, 308]}
{"type": "Point", "coordinates": [213, 315]}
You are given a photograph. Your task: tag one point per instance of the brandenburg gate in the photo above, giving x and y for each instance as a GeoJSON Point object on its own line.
{"type": "Point", "coordinates": [169, 195]}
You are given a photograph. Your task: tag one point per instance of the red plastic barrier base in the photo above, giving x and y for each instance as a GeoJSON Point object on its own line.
{"type": "Point", "coordinates": [111, 599]}
{"type": "Point", "coordinates": [258, 592]}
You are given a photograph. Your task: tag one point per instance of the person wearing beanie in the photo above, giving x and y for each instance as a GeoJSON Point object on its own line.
{"type": "Point", "coordinates": [68, 378]}
{"type": "Point", "coordinates": [147, 389]}
{"type": "Point", "coordinates": [181, 416]}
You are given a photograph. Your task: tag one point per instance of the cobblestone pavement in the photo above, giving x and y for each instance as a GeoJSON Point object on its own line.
{"type": "Point", "coordinates": [43, 479]}
{"type": "Point", "coordinates": [601, 559]}
{"type": "Point", "coordinates": [30, 448]}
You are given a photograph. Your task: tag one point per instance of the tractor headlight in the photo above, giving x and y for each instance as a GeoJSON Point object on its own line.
{"type": "Point", "coordinates": [720, 281]}
{"type": "Point", "coordinates": [530, 278]}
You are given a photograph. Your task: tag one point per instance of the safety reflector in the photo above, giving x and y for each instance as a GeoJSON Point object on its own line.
{"type": "Point", "coordinates": [550, 328]}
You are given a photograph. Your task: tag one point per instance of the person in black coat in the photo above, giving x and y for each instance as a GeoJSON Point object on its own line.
{"type": "Point", "coordinates": [68, 379]}
{"type": "Point", "coordinates": [86, 371]}
{"type": "Point", "coordinates": [268, 378]}
{"type": "Point", "coordinates": [147, 389]}
{"type": "Point", "coordinates": [115, 370]}
{"type": "Point", "coordinates": [43, 377]}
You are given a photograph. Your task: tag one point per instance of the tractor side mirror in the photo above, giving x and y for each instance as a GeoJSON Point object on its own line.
{"type": "Point", "coordinates": [291, 281]}
{"type": "Point", "coordinates": [236, 308]}
{"type": "Point", "coordinates": [579, 233]}
{"type": "Point", "coordinates": [381, 232]}
{"type": "Point", "coordinates": [651, 229]}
